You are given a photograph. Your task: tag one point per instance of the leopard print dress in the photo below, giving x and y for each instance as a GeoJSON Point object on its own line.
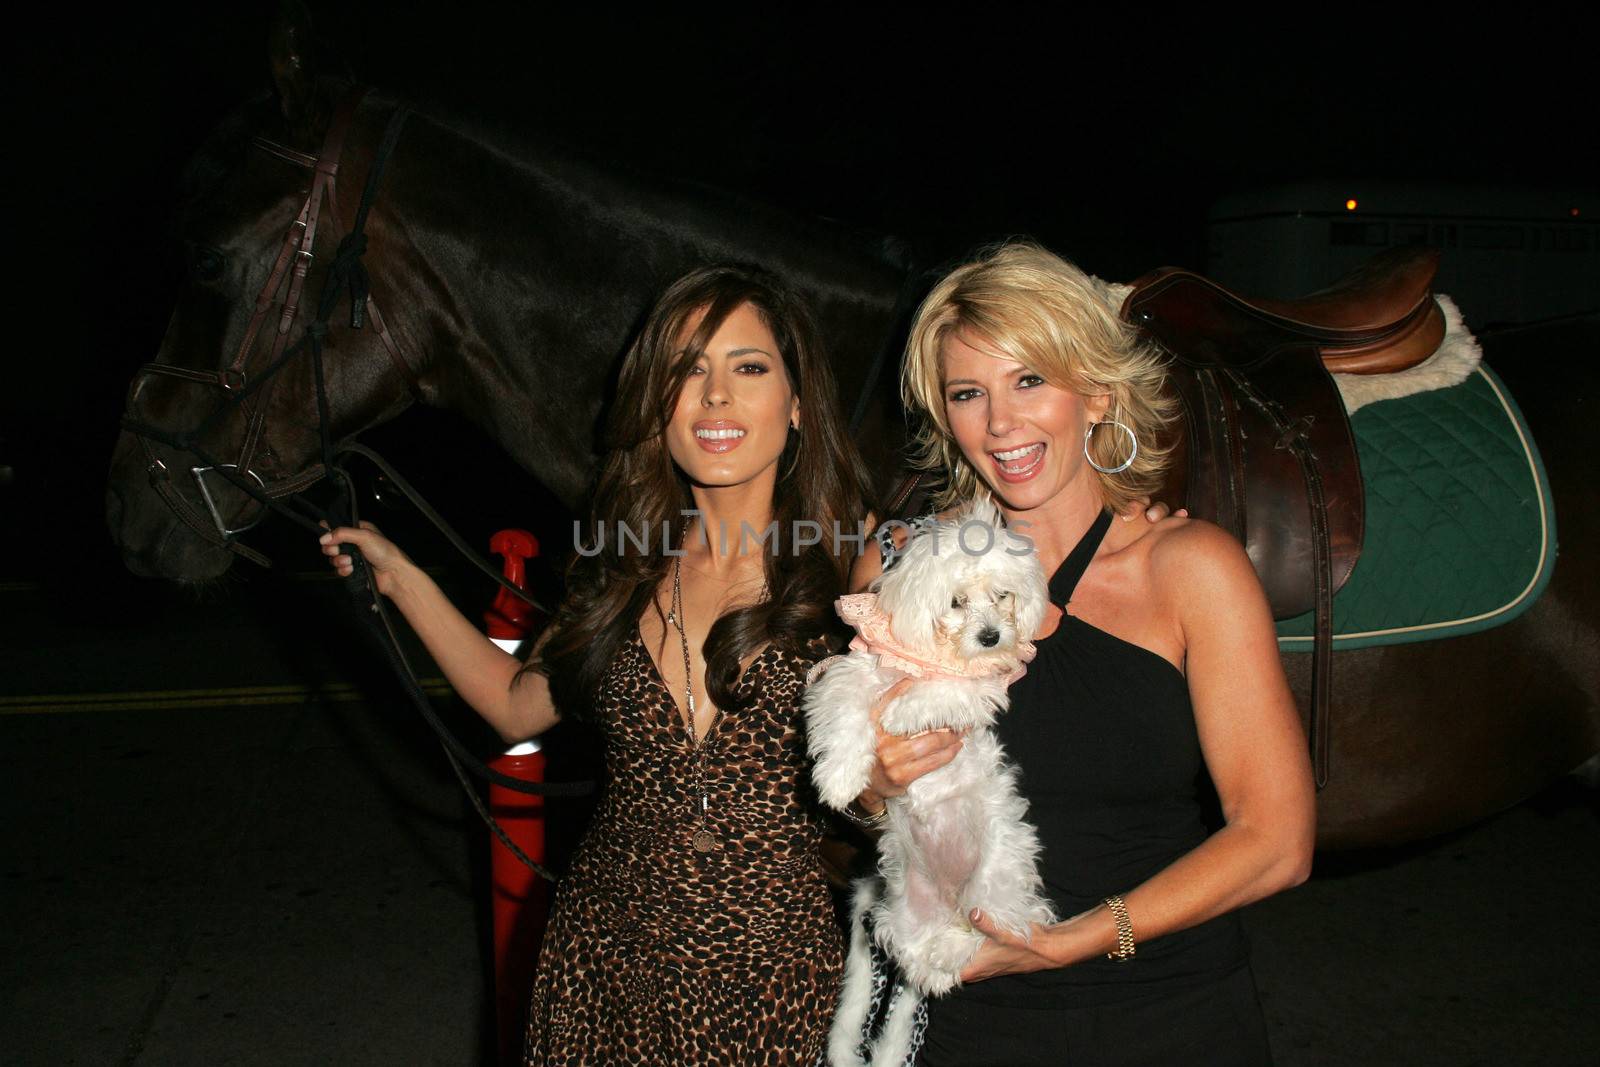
{"type": "Point", "coordinates": [657, 953]}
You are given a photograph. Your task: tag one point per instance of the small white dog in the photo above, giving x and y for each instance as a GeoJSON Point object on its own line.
{"type": "Point", "coordinates": [955, 611]}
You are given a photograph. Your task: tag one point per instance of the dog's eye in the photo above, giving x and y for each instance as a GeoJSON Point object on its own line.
{"type": "Point", "coordinates": [958, 602]}
{"type": "Point", "coordinates": [1002, 596]}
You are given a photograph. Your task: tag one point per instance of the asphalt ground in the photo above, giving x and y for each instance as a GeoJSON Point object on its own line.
{"type": "Point", "coordinates": [228, 840]}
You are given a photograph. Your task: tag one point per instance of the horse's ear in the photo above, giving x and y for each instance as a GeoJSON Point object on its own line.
{"type": "Point", "coordinates": [289, 51]}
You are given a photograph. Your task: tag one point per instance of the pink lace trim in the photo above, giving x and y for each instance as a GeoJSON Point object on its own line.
{"type": "Point", "coordinates": [873, 635]}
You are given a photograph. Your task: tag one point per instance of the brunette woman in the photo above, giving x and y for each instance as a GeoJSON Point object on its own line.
{"type": "Point", "coordinates": [695, 924]}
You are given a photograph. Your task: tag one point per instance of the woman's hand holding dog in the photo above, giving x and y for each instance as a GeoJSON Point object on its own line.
{"type": "Point", "coordinates": [1006, 953]}
{"type": "Point", "coordinates": [1058, 945]}
{"type": "Point", "coordinates": [902, 760]}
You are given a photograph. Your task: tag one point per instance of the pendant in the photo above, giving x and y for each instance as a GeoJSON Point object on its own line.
{"type": "Point", "coordinates": [704, 840]}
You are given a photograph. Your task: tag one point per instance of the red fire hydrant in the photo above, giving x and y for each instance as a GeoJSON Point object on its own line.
{"type": "Point", "coordinates": [521, 897]}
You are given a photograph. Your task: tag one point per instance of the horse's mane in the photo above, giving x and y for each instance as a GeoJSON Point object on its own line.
{"type": "Point", "coordinates": [527, 143]}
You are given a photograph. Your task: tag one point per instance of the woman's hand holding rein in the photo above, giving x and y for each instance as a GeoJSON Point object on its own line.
{"type": "Point", "coordinates": [479, 671]}
{"type": "Point", "coordinates": [388, 564]}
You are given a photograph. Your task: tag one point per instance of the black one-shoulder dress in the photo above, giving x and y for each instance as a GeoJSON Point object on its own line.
{"type": "Point", "coordinates": [1105, 736]}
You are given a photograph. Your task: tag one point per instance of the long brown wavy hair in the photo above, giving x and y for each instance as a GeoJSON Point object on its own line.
{"type": "Point", "coordinates": [821, 478]}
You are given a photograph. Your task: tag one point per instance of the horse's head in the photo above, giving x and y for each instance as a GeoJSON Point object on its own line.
{"type": "Point", "coordinates": [212, 398]}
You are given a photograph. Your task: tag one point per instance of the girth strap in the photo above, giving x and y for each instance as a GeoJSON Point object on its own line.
{"type": "Point", "coordinates": [1294, 437]}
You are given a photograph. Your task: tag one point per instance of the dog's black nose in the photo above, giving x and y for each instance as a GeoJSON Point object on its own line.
{"type": "Point", "coordinates": [988, 637]}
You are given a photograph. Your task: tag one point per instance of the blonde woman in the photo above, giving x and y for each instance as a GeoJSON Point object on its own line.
{"type": "Point", "coordinates": [1157, 680]}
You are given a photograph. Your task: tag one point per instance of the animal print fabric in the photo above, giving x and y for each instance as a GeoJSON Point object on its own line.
{"type": "Point", "coordinates": [884, 535]}
{"type": "Point", "coordinates": [887, 988]}
{"type": "Point", "coordinates": [658, 954]}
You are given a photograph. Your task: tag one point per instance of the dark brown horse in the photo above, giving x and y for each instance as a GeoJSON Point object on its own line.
{"type": "Point", "coordinates": [511, 278]}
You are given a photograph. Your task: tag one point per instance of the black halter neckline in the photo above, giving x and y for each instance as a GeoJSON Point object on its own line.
{"type": "Point", "coordinates": [1065, 580]}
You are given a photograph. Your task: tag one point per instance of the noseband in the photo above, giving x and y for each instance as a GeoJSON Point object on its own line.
{"type": "Point", "coordinates": [248, 394]}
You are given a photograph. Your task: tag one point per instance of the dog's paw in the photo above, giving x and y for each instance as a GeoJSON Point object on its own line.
{"type": "Point", "coordinates": [840, 773]}
{"type": "Point", "coordinates": [935, 965]}
{"type": "Point", "coordinates": [953, 949]}
{"type": "Point", "coordinates": [838, 787]}
{"type": "Point", "coordinates": [937, 704]}
{"type": "Point", "coordinates": [839, 733]}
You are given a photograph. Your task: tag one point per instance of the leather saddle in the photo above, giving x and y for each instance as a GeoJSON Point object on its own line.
{"type": "Point", "coordinates": [1265, 448]}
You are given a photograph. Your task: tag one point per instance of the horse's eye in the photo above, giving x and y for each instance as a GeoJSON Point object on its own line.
{"type": "Point", "coordinates": [206, 264]}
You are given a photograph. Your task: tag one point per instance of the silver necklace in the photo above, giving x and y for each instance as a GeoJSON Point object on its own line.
{"type": "Point", "coordinates": [703, 840]}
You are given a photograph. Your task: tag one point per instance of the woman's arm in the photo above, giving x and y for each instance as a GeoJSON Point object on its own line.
{"type": "Point", "coordinates": [484, 675]}
{"type": "Point", "coordinates": [1254, 749]}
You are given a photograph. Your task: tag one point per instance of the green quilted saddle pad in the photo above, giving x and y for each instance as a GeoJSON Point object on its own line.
{"type": "Point", "coordinates": [1461, 530]}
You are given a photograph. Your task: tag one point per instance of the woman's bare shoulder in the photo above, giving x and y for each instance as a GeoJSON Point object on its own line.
{"type": "Point", "coordinates": [1178, 541]}
{"type": "Point", "coordinates": [868, 565]}
{"type": "Point", "coordinates": [1197, 558]}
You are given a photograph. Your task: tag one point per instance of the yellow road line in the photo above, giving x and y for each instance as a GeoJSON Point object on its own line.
{"type": "Point", "coordinates": [294, 576]}
{"type": "Point", "coordinates": [157, 699]}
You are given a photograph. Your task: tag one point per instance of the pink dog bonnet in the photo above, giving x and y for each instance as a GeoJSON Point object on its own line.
{"type": "Point", "coordinates": [873, 635]}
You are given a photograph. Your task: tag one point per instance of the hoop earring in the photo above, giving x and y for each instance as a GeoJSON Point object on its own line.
{"type": "Point", "coordinates": [1132, 440]}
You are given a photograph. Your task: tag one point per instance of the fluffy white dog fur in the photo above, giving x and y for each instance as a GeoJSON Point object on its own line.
{"type": "Point", "coordinates": [958, 838]}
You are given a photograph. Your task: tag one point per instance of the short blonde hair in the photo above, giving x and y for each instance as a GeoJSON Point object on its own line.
{"type": "Point", "coordinates": [1036, 308]}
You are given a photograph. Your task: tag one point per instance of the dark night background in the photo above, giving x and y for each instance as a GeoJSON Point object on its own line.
{"type": "Point", "coordinates": [1105, 136]}
{"type": "Point", "coordinates": [1105, 133]}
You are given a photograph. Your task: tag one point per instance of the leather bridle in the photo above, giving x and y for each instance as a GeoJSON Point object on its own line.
{"type": "Point", "coordinates": [239, 390]}
{"type": "Point", "coordinates": [247, 393]}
